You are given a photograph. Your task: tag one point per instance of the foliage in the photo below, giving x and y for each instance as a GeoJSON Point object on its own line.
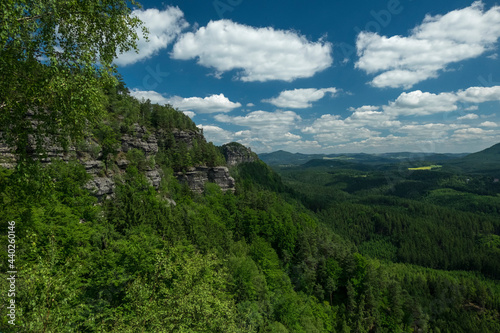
{"type": "Point", "coordinates": [55, 59]}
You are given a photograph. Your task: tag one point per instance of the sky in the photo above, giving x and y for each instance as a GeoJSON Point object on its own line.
{"type": "Point", "coordinates": [325, 76]}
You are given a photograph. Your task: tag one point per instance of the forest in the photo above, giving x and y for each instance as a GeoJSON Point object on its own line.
{"type": "Point", "coordinates": [314, 249]}
{"type": "Point", "coordinates": [325, 246]}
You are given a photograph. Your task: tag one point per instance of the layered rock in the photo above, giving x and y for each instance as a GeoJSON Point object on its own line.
{"type": "Point", "coordinates": [186, 137]}
{"type": "Point", "coordinates": [196, 178]}
{"type": "Point", "coordinates": [235, 153]}
{"type": "Point", "coordinates": [140, 139]}
{"type": "Point", "coordinates": [102, 183]}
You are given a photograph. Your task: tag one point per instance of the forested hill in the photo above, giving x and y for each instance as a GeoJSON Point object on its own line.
{"type": "Point", "coordinates": [159, 255]}
{"type": "Point", "coordinates": [485, 161]}
{"type": "Point", "coordinates": [283, 158]}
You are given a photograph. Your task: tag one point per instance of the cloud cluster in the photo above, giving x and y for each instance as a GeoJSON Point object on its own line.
{"type": "Point", "coordinates": [433, 45]}
{"type": "Point", "coordinates": [262, 54]}
{"type": "Point", "coordinates": [367, 123]}
{"type": "Point", "coordinates": [163, 26]}
{"type": "Point", "coordinates": [267, 130]}
{"type": "Point", "coordinates": [211, 104]}
{"type": "Point", "coordinates": [469, 116]}
{"type": "Point", "coordinates": [216, 134]}
{"type": "Point", "coordinates": [418, 103]}
{"type": "Point", "coordinates": [300, 98]}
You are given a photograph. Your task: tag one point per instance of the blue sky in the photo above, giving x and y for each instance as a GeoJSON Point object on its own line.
{"type": "Point", "coordinates": [325, 76]}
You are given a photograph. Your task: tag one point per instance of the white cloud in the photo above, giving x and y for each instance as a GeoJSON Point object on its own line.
{"type": "Point", "coordinates": [439, 41]}
{"type": "Point", "coordinates": [262, 54]}
{"type": "Point", "coordinates": [300, 98]}
{"type": "Point", "coordinates": [262, 120]}
{"type": "Point", "coordinates": [211, 104]}
{"type": "Point", "coordinates": [488, 124]}
{"type": "Point", "coordinates": [163, 26]}
{"type": "Point", "coordinates": [190, 114]}
{"type": "Point", "coordinates": [371, 116]}
{"type": "Point", "coordinates": [466, 134]}
{"type": "Point", "coordinates": [420, 103]}
{"type": "Point", "coordinates": [331, 129]}
{"type": "Point", "coordinates": [267, 130]}
{"type": "Point", "coordinates": [469, 116]}
{"type": "Point", "coordinates": [153, 96]}
{"type": "Point", "coordinates": [349, 134]}
{"type": "Point", "coordinates": [250, 105]}
{"type": "Point", "coordinates": [479, 94]}
{"type": "Point", "coordinates": [429, 131]}
{"type": "Point", "coordinates": [391, 143]}
{"type": "Point", "coordinates": [326, 123]}
{"type": "Point", "coordinates": [216, 134]}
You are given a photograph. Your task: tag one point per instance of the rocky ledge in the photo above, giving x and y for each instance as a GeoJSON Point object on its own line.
{"type": "Point", "coordinates": [235, 153]}
{"type": "Point", "coordinates": [196, 177]}
{"type": "Point", "coordinates": [102, 183]}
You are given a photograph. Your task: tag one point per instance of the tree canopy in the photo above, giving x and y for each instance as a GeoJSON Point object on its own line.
{"type": "Point", "coordinates": [55, 59]}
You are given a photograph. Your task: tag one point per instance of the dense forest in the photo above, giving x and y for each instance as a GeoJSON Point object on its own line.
{"type": "Point", "coordinates": [101, 231]}
{"type": "Point", "coordinates": [323, 251]}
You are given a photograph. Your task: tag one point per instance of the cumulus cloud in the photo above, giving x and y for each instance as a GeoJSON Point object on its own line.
{"type": "Point", "coordinates": [331, 129]}
{"type": "Point", "coordinates": [263, 120]}
{"type": "Point", "coordinates": [422, 103]}
{"type": "Point", "coordinates": [216, 134]}
{"type": "Point", "coordinates": [262, 54]}
{"type": "Point", "coordinates": [346, 136]}
{"type": "Point", "coordinates": [430, 130]}
{"type": "Point", "coordinates": [479, 94]}
{"type": "Point", "coordinates": [371, 116]}
{"type": "Point", "coordinates": [465, 134]}
{"type": "Point", "coordinates": [418, 103]}
{"type": "Point", "coordinates": [211, 104]}
{"type": "Point", "coordinates": [266, 130]}
{"type": "Point", "coordinates": [488, 124]}
{"type": "Point", "coordinates": [153, 96]}
{"type": "Point", "coordinates": [469, 116]}
{"type": "Point", "coordinates": [392, 143]}
{"type": "Point", "coordinates": [433, 45]}
{"type": "Point", "coordinates": [300, 98]}
{"type": "Point", "coordinates": [163, 26]}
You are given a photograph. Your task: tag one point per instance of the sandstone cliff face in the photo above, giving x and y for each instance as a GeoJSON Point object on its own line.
{"type": "Point", "coordinates": [236, 153]}
{"type": "Point", "coordinates": [103, 184]}
{"type": "Point", "coordinates": [140, 139]}
{"type": "Point", "coordinates": [198, 176]}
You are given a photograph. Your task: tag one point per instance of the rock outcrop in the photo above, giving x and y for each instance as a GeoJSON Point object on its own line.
{"type": "Point", "coordinates": [140, 139]}
{"type": "Point", "coordinates": [187, 137]}
{"type": "Point", "coordinates": [103, 184]}
{"type": "Point", "coordinates": [196, 178]}
{"type": "Point", "coordinates": [235, 153]}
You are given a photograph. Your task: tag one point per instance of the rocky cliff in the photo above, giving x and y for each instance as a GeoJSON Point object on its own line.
{"type": "Point", "coordinates": [196, 177]}
{"type": "Point", "coordinates": [235, 153]}
{"type": "Point", "coordinates": [139, 140]}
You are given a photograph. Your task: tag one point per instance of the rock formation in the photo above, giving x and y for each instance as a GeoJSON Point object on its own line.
{"type": "Point", "coordinates": [102, 183]}
{"type": "Point", "coordinates": [235, 153]}
{"type": "Point", "coordinates": [196, 178]}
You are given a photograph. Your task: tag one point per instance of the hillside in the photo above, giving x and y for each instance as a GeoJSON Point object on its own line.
{"type": "Point", "coordinates": [283, 158]}
{"type": "Point", "coordinates": [193, 237]}
{"type": "Point", "coordinates": [486, 161]}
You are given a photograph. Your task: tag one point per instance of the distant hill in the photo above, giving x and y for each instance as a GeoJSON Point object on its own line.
{"type": "Point", "coordinates": [283, 158]}
{"type": "Point", "coordinates": [486, 161]}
